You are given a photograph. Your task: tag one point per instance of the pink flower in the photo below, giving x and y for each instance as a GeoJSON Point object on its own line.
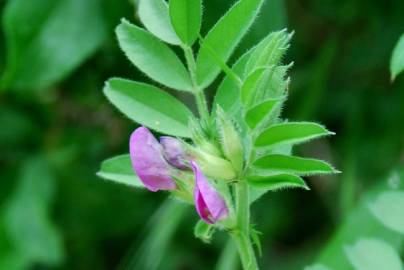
{"type": "Point", "coordinates": [148, 161]}
{"type": "Point", "coordinates": [210, 206]}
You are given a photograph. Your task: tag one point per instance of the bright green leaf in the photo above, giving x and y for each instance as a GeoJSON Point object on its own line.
{"type": "Point", "coordinates": [153, 57]}
{"type": "Point", "coordinates": [186, 17]}
{"type": "Point", "coordinates": [397, 58]}
{"type": "Point", "coordinates": [373, 254]}
{"type": "Point", "coordinates": [290, 133]}
{"type": "Point", "coordinates": [270, 51]}
{"type": "Point", "coordinates": [277, 181]}
{"type": "Point", "coordinates": [119, 169]}
{"type": "Point", "coordinates": [388, 209]}
{"type": "Point", "coordinates": [155, 17]}
{"type": "Point", "coordinates": [203, 231]}
{"type": "Point", "coordinates": [224, 37]}
{"type": "Point", "coordinates": [48, 39]}
{"type": "Point", "coordinates": [292, 164]}
{"type": "Point", "coordinates": [260, 112]}
{"type": "Point", "coordinates": [149, 106]}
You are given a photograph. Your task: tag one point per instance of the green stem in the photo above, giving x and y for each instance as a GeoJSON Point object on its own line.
{"type": "Point", "coordinates": [241, 235]}
{"type": "Point", "coordinates": [198, 93]}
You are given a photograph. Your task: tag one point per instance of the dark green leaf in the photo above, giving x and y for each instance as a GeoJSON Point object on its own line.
{"type": "Point", "coordinates": [149, 106]}
{"type": "Point", "coordinates": [277, 181]}
{"type": "Point", "coordinates": [292, 164]}
{"type": "Point", "coordinates": [47, 40]}
{"type": "Point", "coordinates": [186, 17]}
{"type": "Point", "coordinates": [119, 169]}
{"type": "Point", "coordinates": [153, 57]}
{"type": "Point", "coordinates": [290, 133]}
{"type": "Point", "coordinates": [155, 17]}
{"type": "Point", "coordinates": [224, 37]}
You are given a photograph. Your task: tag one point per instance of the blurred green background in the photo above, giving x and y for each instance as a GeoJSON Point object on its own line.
{"type": "Point", "coordinates": [56, 127]}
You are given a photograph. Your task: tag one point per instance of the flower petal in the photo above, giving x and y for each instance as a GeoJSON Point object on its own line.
{"type": "Point", "coordinates": [148, 161]}
{"type": "Point", "coordinates": [174, 152]}
{"type": "Point", "coordinates": [210, 206]}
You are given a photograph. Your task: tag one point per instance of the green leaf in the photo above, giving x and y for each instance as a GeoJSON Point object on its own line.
{"type": "Point", "coordinates": [119, 169]}
{"type": "Point", "coordinates": [250, 85]}
{"type": "Point", "coordinates": [290, 133]}
{"type": "Point", "coordinates": [228, 92]}
{"type": "Point", "coordinates": [46, 40]}
{"type": "Point", "coordinates": [373, 254]}
{"type": "Point", "coordinates": [397, 59]}
{"type": "Point", "coordinates": [203, 231]}
{"type": "Point", "coordinates": [224, 37]}
{"type": "Point", "coordinates": [155, 17]}
{"type": "Point", "coordinates": [388, 209]}
{"type": "Point", "coordinates": [255, 237]}
{"type": "Point", "coordinates": [292, 164]}
{"type": "Point", "coordinates": [149, 106]}
{"type": "Point", "coordinates": [261, 112]}
{"type": "Point", "coordinates": [186, 17]}
{"type": "Point", "coordinates": [153, 57]}
{"type": "Point", "coordinates": [277, 181]}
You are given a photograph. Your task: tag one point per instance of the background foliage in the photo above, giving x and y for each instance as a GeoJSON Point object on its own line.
{"type": "Point", "coordinates": [56, 127]}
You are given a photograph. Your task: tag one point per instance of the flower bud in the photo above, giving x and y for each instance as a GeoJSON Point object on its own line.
{"type": "Point", "coordinates": [174, 152]}
{"type": "Point", "coordinates": [232, 146]}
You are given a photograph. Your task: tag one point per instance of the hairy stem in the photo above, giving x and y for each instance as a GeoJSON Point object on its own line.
{"type": "Point", "coordinates": [198, 93]}
{"type": "Point", "coordinates": [241, 235]}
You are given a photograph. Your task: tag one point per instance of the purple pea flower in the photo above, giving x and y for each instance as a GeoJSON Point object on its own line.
{"type": "Point", "coordinates": [174, 152]}
{"type": "Point", "coordinates": [210, 206]}
{"type": "Point", "coordinates": [148, 161]}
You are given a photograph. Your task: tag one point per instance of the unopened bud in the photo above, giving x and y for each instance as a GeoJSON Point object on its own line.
{"type": "Point", "coordinates": [232, 146]}
{"type": "Point", "coordinates": [214, 166]}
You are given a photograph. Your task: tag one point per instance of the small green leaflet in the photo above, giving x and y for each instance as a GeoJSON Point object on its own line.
{"type": "Point", "coordinates": [155, 17]}
{"type": "Point", "coordinates": [292, 164]}
{"type": "Point", "coordinates": [250, 85]}
{"type": "Point", "coordinates": [290, 133]}
{"type": "Point", "coordinates": [270, 51]}
{"type": "Point", "coordinates": [149, 106]}
{"type": "Point", "coordinates": [224, 38]}
{"type": "Point", "coordinates": [186, 17]}
{"type": "Point", "coordinates": [262, 111]}
{"type": "Point", "coordinates": [119, 169]}
{"type": "Point", "coordinates": [397, 59]}
{"type": "Point", "coordinates": [373, 254]}
{"type": "Point", "coordinates": [153, 57]}
{"type": "Point", "coordinates": [277, 181]}
{"type": "Point", "coordinates": [388, 208]}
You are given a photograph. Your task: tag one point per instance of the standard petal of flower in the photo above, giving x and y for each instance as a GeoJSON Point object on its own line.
{"type": "Point", "coordinates": [174, 152]}
{"type": "Point", "coordinates": [148, 161]}
{"type": "Point", "coordinates": [210, 206]}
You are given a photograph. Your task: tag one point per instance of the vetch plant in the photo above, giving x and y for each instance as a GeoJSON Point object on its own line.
{"type": "Point", "coordinates": [235, 149]}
